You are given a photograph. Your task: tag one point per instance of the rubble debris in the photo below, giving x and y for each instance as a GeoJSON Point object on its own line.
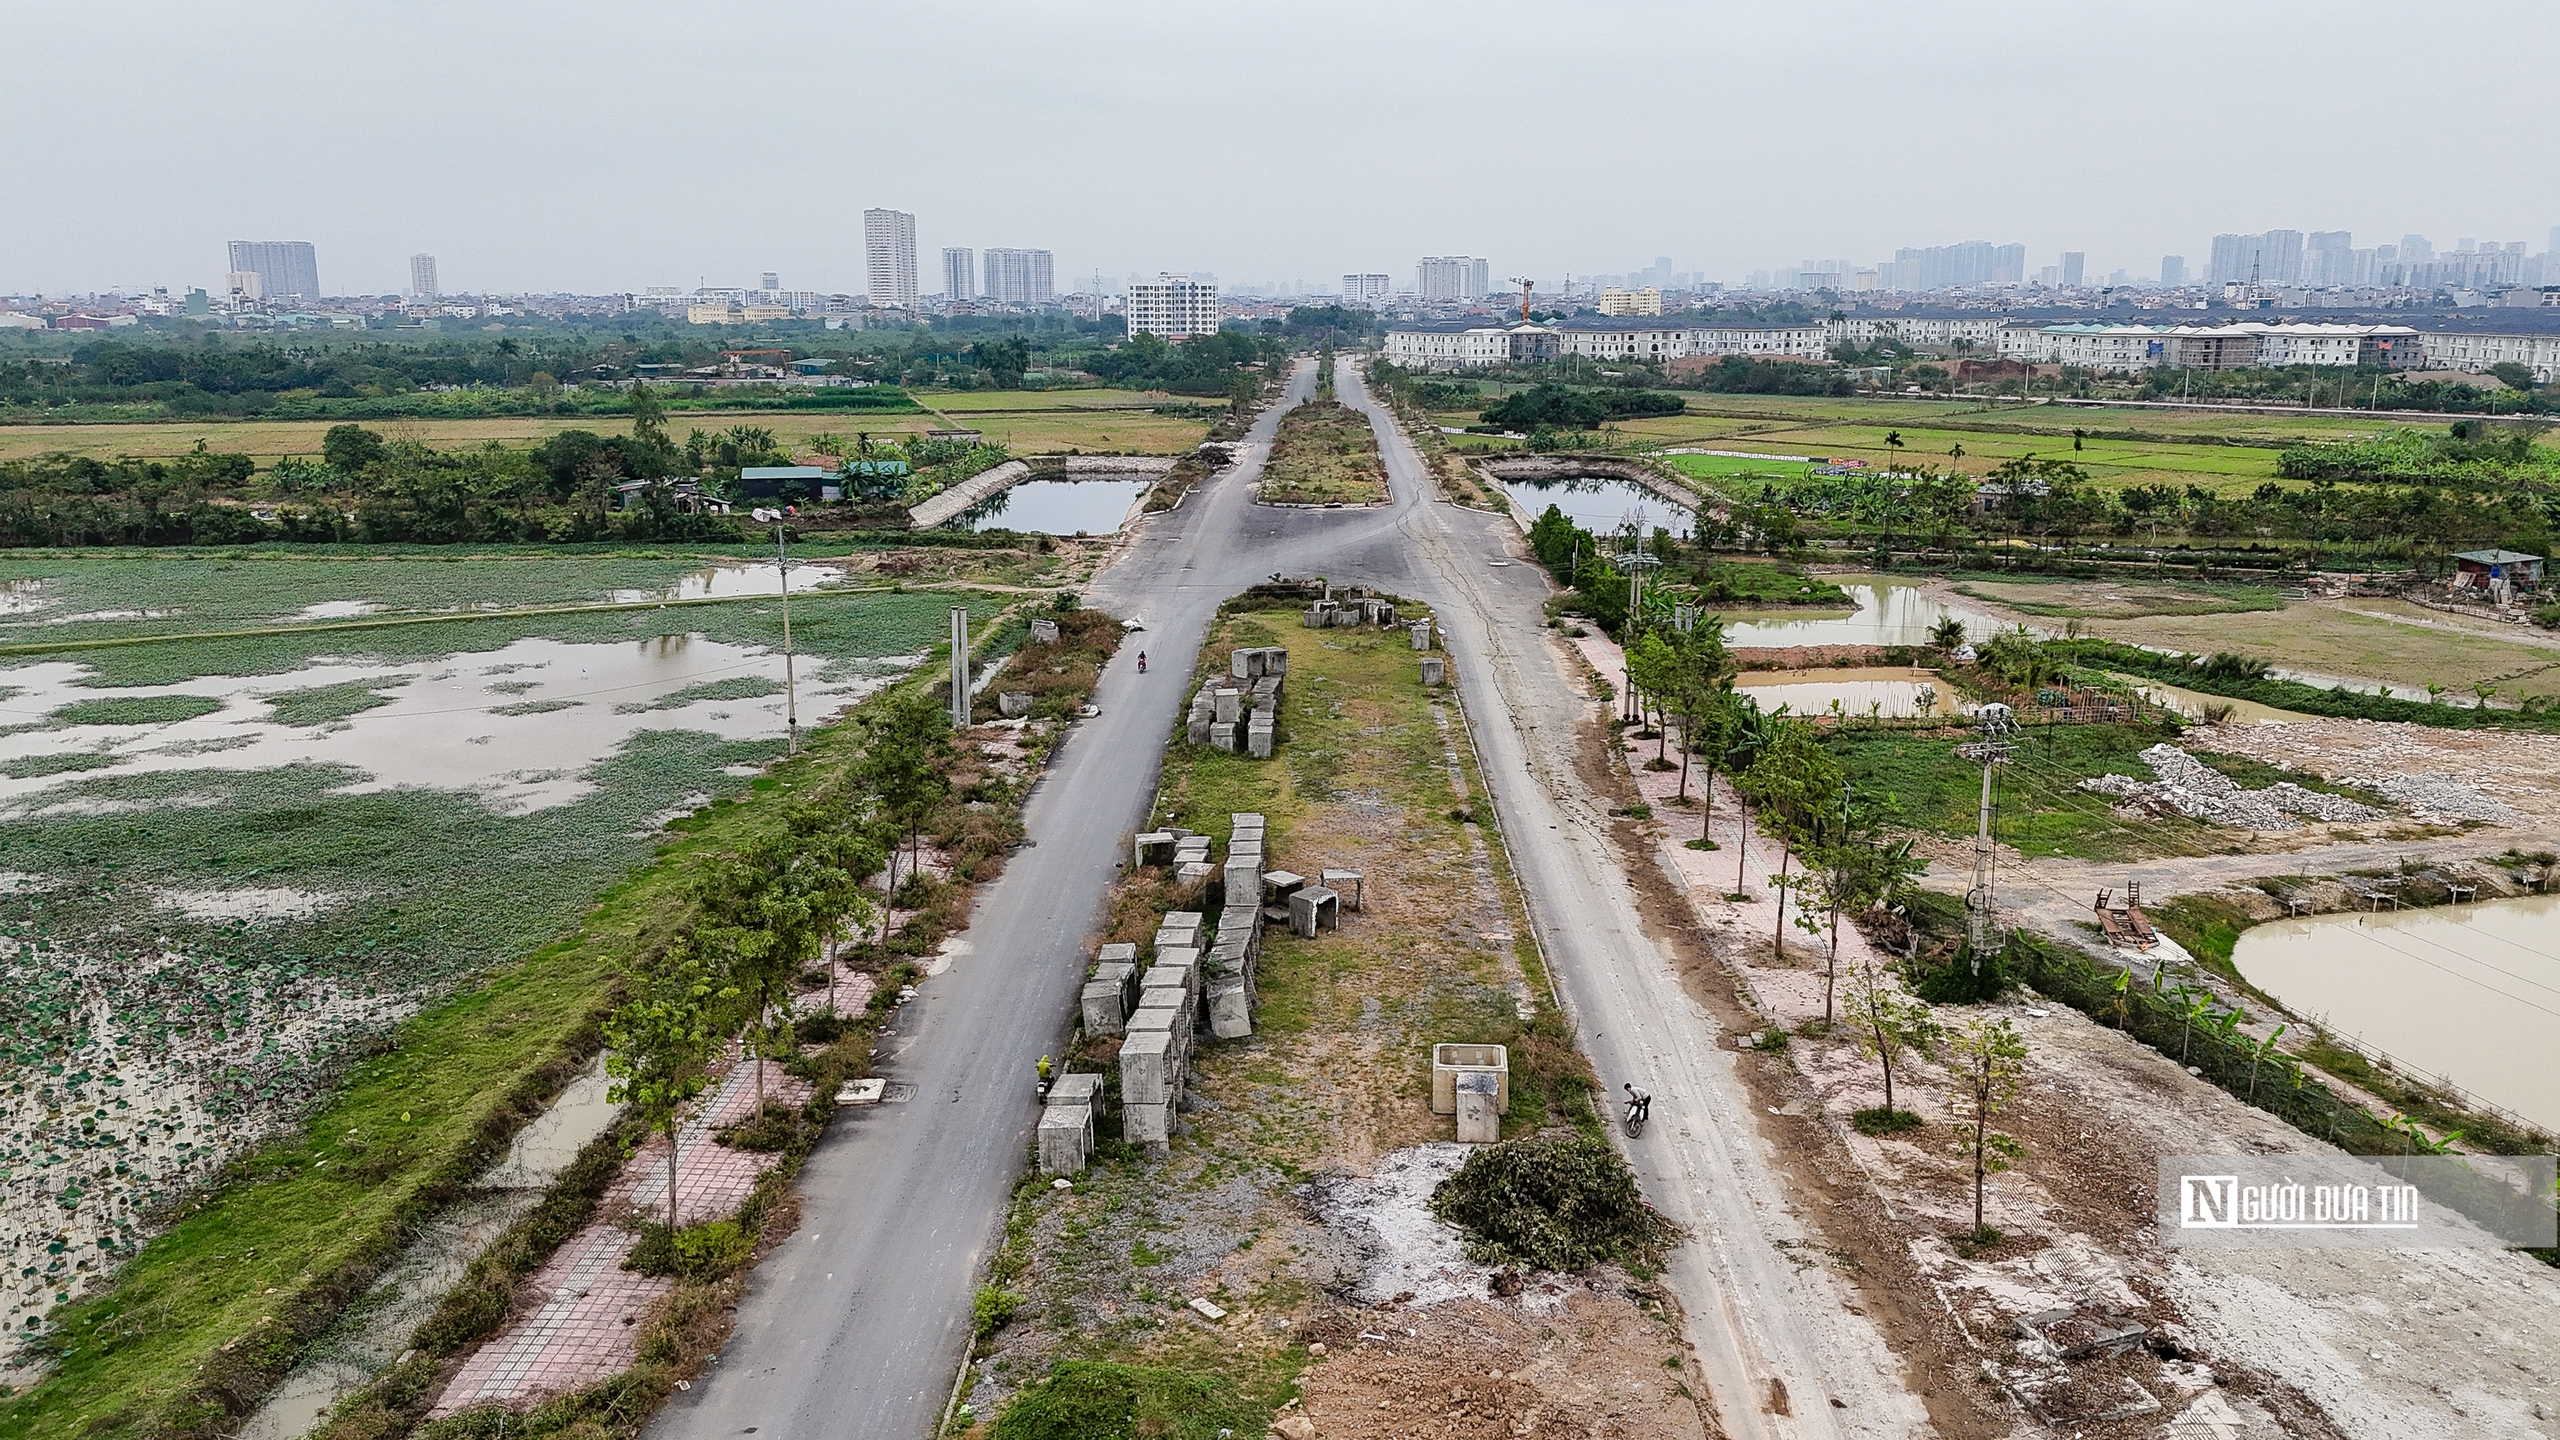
{"type": "Point", "coordinates": [2197, 791]}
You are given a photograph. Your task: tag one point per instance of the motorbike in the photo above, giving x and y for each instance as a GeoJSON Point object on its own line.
{"type": "Point", "coordinates": [1142, 662]}
{"type": "Point", "coordinates": [1639, 1106]}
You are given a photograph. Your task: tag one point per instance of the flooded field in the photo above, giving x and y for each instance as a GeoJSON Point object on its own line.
{"type": "Point", "coordinates": [1599, 505]}
{"type": "Point", "coordinates": [720, 582]}
{"type": "Point", "coordinates": [2470, 993]}
{"type": "Point", "coordinates": [1086, 505]}
{"type": "Point", "coordinates": [2191, 703]}
{"type": "Point", "coordinates": [1893, 694]}
{"type": "Point", "coordinates": [226, 860]}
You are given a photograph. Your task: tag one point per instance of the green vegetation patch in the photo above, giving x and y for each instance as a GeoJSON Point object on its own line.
{"type": "Point", "coordinates": [1554, 1202]}
{"type": "Point", "coordinates": [327, 704]}
{"type": "Point", "coordinates": [1747, 584]}
{"type": "Point", "coordinates": [535, 707]}
{"type": "Point", "coordinates": [33, 767]}
{"type": "Point", "coordinates": [2038, 807]}
{"type": "Point", "coordinates": [2205, 926]}
{"type": "Point", "coordinates": [736, 687]}
{"type": "Point", "coordinates": [136, 710]}
{"type": "Point", "coordinates": [1325, 453]}
{"type": "Point", "coordinates": [1097, 1400]}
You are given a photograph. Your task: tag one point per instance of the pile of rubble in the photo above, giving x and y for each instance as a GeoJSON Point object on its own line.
{"type": "Point", "coordinates": [2189, 787]}
{"type": "Point", "coordinates": [2441, 797]}
{"type": "Point", "coordinates": [1240, 717]}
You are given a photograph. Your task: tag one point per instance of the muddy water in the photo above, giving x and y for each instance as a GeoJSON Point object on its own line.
{"type": "Point", "coordinates": [1094, 505]}
{"type": "Point", "coordinates": [721, 582]}
{"type": "Point", "coordinates": [1598, 505]}
{"type": "Point", "coordinates": [519, 726]}
{"type": "Point", "coordinates": [1810, 692]}
{"type": "Point", "coordinates": [373, 1337]}
{"type": "Point", "coordinates": [2468, 992]}
{"type": "Point", "coordinates": [1887, 614]}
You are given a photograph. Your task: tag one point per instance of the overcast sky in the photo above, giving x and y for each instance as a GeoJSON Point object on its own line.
{"type": "Point", "coordinates": [543, 145]}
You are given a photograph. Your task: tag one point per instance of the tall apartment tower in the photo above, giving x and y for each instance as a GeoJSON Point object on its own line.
{"type": "Point", "coordinates": [959, 273]}
{"type": "Point", "coordinates": [2173, 269]}
{"type": "Point", "coordinates": [1175, 307]}
{"type": "Point", "coordinates": [1019, 277]}
{"type": "Point", "coordinates": [1451, 277]}
{"type": "Point", "coordinates": [2074, 264]}
{"type": "Point", "coordinates": [889, 243]}
{"type": "Point", "coordinates": [422, 277]}
{"type": "Point", "coordinates": [285, 268]}
{"type": "Point", "coordinates": [1366, 289]}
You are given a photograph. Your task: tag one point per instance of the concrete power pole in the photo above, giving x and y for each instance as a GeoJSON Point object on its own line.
{"type": "Point", "coordinates": [959, 667]}
{"type": "Point", "coordinates": [1997, 722]}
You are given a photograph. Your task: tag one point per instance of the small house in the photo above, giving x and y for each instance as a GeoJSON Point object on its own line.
{"type": "Point", "coordinates": [2483, 568]}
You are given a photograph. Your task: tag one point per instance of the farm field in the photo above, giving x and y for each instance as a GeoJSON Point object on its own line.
{"type": "Point", "coordinates": [1040, 422]}
{"type": "Point", "coordinates": [226, 863]}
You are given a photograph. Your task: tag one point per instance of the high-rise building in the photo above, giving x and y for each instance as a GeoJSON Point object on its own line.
{"type": "Point", "coordinates": [285, 268]}
{"type": "Point", "coordinates": [2173, 269]}
{"type": "Point", "coordinates": [889, 244]}
{"type": "Point", "coordinates": [771, 281]}
{"type": "Point", "coordinates": [1175, 307]}
{"type": "Point", "coordinates": [422, 277]}
{"type": "Point", "coordinates": [1452, 277]}
{"type": "Point", "coordinates": [2074, 263]}
{"type": "Point", "coordinates": [959, 273]}
{"type": "Point", "coordinates": [1019, 277]}
{"type": "Point", "coordinates": [1366, 289]}
{"type": "Point", "coordinates": [2415, 250]}
{"type": "Point", "coordinates": [1940, 267]}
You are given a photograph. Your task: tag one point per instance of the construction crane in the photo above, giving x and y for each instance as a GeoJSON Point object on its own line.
{"type": "Point", "coordinates": [1525, 287]}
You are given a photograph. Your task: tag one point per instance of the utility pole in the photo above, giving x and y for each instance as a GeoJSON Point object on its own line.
{"type": "Point", "coordinates": [959, 667]}
{"type": "Point", "coordinates": [790, 685]}
{"type": "Point", "coordinates": [1991, 751]}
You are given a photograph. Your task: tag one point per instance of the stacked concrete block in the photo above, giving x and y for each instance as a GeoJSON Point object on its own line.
{"type": "Point", "coordinates": [1252, 662]}
{"type": "Point", "coordinates": [1190, 849]}
{"type": "Point", "coordinates": [1321, 614]}
{"type": "Point", "coordinates": [1149, 1086]}
{"type": "Point", "coordinates": [1378, 612]}
{"type": "Point", "coordinates": [1421, 634]}
{"type": "Point", "coordinates": [1152, 848]}
{"type": "Point", "coordinates": [1066, 1123]}
{"type": "Point", "coordinates": [1227, 705]}
{"type": "Point", "coordinates": [1104, 1006]}
{"type": "Point", "coordinates": [1204, 707]}
{"type": "Point", "coordinates": [1222, 735]}
{"type": "Point", "coordinates": [1230, 1008]}
{"type": "Point", "coordinates": [1479, 1108]}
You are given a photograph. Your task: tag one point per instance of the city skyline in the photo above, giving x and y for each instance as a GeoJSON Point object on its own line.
{"type": "Point", "coordinates": [535, 225]}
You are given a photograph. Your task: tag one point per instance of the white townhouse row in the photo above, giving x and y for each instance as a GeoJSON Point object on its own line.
{"type": "Point", "coordinates": [2213, 347]}
{"type": "Point", "coordinates": [1461, 346]}
{"type": "Point", "coordinates": [2476, 353]}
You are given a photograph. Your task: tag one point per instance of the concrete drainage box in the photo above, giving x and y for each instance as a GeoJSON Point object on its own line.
{"type": "Point", "coordinates": [1449, 1061]}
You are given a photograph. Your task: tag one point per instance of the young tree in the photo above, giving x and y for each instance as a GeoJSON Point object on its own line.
{"type": "Point", "coordinates": [1989, 1060]}
{"type": "Point", "coordinates": [661, 1042]}
{"type": "Point", "coordinates": [1890, 1021]}
{"type": "Point", "coordinates": [1697, 686]}
{"type": "Point", "coordinates": [1653, 668]}
{"type": "Point", "coordinates": [905, 742]}
{"type": "Point", "coordinates": [1796, 782]}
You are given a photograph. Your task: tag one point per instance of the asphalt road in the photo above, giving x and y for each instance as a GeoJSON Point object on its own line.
{"type": "Point", "coordinates": [858, 1326]}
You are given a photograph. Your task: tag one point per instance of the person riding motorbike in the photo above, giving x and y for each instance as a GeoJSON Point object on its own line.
{"type": "Point", "coordinates": [1639, 1108]}
{"type": "Point", "coordinates": [1142, 662]}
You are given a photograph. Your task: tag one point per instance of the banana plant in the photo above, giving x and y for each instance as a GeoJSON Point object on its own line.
{"type": "Point", "coordinates": [2197, 1003]}
{"type": "Point", "coordinates": [2256, 1054]}
{"type": "Point", "coordinates": [2121, 989]}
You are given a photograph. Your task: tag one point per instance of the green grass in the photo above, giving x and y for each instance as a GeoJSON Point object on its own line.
{"type": "Point", "coordinates": [1096, 1400]}
{"type": "Point", "coordinates": [31, 767]}
{"type": "Point", "coordinates": [736, 687]}
{"type": "Point", "coordinates": [2176, 598]}
{"type": "Point", "coordinates": [1924, 785]}
{"type": "Point", "coordinates": [2205, 926]}
{"type": "Point", "coordinates": [325, 704]}
{"type": "Point", "coordinates": [1747, 584]}
{"type": "Point", "coordinates": [135, 710]}
{"type": "Point", "coordinates": [1325, 452]}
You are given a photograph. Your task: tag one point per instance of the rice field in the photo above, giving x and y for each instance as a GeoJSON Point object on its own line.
{"type": "Point", "coordinates": [225, 864]}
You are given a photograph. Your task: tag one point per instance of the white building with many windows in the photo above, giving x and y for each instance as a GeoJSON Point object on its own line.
{"type": "Point", "coordinates": [1367, 289]}
{"type": "Point", "coordinates": [1174, 307]}
{"type": "Point", "coordinates": [1638, 338]}
{"type": "Point", "coordinates": [2476, 353]}
{"type": "Point", "coordinates": [1018, 277]}
{"type": "Point", "coordinates": [2124, 348]}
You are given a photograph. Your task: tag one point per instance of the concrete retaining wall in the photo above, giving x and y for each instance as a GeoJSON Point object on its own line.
{"type": "Point", "coordinates": [927, 514]}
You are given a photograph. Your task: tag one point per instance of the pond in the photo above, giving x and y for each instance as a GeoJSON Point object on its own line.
{"type": "Point", "coordinates": [721, 582]}
{"type": "Point", "coordinates": [2191, 703]}
{"type": "Point", "coordinates": [1082, 506]}
{"type": "Point", "coordinates": [1887, 614]}
{"type": "Point", "coordinates": [1810, 692]}
{"type": "Point", "coordinates": [2467, 992]}
{"type": "Point", "coordinates": [1598, 504]}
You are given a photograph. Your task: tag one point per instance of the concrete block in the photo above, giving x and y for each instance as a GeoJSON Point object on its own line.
{"type": "Point", "coordinates": [1311, 908]}
{"type": "Point", "coordinates": [1345, 883]}
{"type": "Point", "coordinates": [1228, 704]}
{"type": "Point", "coordinates": [1450, 1060]}
{"type": "Point", "coordinates": [1244, 878]}
{"type": "Point", "coordinates": [1222, 735]}
{"type": "Point", "coordinates": [1146, 1122]}
{"type": "Point", "coordinates": [1082, 1088]}
{"type": "Point", "coordinates": [1191, 847]}
{"type": "Point", "coordinates": [1230, 1009]}
{"type": "Point", "coordinates": [1044, 632]}
{"type": "Point", "coordinates": [1278, 883]}
{"type": "Point", "coordinates": [1065, 1139]}
{"type": "Point", "coordinates": [1013, 704]}
{"type": "Point", "coordinates": [1186, 919]}
{"type": "Point", "coordinates": [1479, 1109]}
{"type": "Point", "coordinates": [1153, 848]}
{"type": "Point", "coordinates": [1435, 671]}
{"type": "Point", "coordinates": [1122, 951]}
{"type": "Point", "coordinates": [1243, 817]}
{"type": "Point", "coordinates": [1193, 873]}
{"type": "Point", "coordinates": [1170, 992]}
{"type": "Point", "coordinates": [1258, 740]}
{"type": "Point", "coordinates": [1421, 634]}
{"type": "Point", "coordinates": [1195, 731]}
{"type": "Point", "coordinates": [1146, 1068]}
{"type": "Point", "coordinates": [1104, 1007]}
